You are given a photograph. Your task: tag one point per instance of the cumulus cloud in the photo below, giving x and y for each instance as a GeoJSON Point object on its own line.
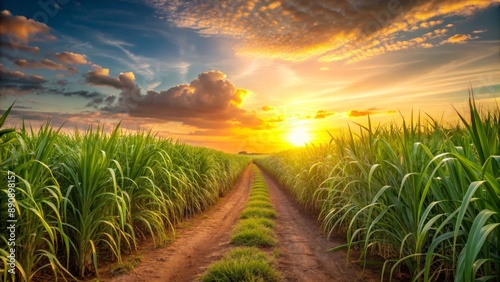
{"type": "Point", "coordinates": [71, 58]}
{"type": "Point", "coordinates": [22, 28]}
{"type": "Point", "coordinates": [100, 76]}
{"type": "Point", "coordinates": [209, 101]}
{"type": "Point", "coordinates": [329, 30]}
{"type": "Point", "coordinates": [130, 91]}
{"type": "Point", "coordinates": [43, 64]}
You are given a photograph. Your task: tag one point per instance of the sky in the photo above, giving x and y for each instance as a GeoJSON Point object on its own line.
{"type": "Point", "coordinates": [255, 75]}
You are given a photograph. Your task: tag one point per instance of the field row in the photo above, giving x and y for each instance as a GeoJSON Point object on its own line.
{"type": "Point", "coordinates": [422, 196]}
{"type": "Point", "coordinates": [90, 197]}
{"type": "Point", "coordinates": [254, 230]}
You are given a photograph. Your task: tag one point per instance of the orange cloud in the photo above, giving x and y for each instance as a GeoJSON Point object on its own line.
{"type": "Point", "coordinates": [356, 113]}
{"type": "Point", "coordinates": [17, 46]}
{"type": "Point", "coordinates": [371, 111]}
{"type": "Point", "coordinates": [323, 114]}
{"type": "Point", "coordinates": [21, 28]}
{"type": "Point", "coordinates": [44, 64]}
{"type": "Point", "coordinates": [278, 119]}
{"type": "Point", "coordinates": [267, 108]}
{"type": "Point", "coordinates": [71, 58]}
{"type": "Point", "coordinates": [430, 23]}
{"type": "Point", "coordinates": [458, 38]}
{"type": "Point", "coordinates": [298, 30]}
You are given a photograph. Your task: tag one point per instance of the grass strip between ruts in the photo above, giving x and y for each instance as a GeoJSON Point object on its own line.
{"type": "Point", "coordinates": [255, 229]}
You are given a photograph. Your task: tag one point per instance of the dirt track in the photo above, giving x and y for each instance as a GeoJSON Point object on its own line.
{"type": "Point", "coordinates": [204, 240]}
{"type": "Point", "coordinates": [301, 245]}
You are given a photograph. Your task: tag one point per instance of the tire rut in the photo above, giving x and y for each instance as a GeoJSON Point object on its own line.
{"type": "Point", "coordinates": [205, 240]}
{"type": "Point", "coordinates": [303, 245]}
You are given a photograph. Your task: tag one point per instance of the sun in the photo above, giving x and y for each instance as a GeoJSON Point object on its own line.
{"type": "Point", "coordinates": [299, 136]}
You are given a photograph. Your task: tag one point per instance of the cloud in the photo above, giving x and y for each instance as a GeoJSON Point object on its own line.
{"type": "Point", "coordinates": [69, 121]}
{"type": "Point", "coordinates": [479, 31]}
{"type": "Point", "coordinates": [458, 38]}
{"type": "Point", "coordinates": [21, 28]}
{"type": "Point", "coordinates": [100, 76]}
{"type": "Point", "coordinates": [371, 111]}
{"type": "Point", "coordinates": [430, 23]}
{"type": "Point", "coordinates": [267, 108]}
{"type": "Point", "coordinates": [125, 82]}
{"type": "Point", "coordinates": [298, 30]}
{"type": "Point", "coordinates": [62, 82]}
{"type": "Point", "coordinates": [44, 64]}
{"type": "Point", "coordinates": [18, 46]}
{"type": "Point", "coordinates": [16, 82]}
{"type": "Point", "coordinates": [71, 58]}
{"type": "Point", "coordinates": [102, 102]}
{"type": "Point", "coordinates": [321, 114]}
{"type": "Point", "coordinates": [209, 101]}
{"type": "Point", "coordinates": [22, 107]}
{"type": "Point", "coordinates": [356, 113]}
{"type": "Point", "coordinates": [278, 119]}
{"type": "Point", "coordinates": [82, 93]}
{"type": "Point", "coordinates": [95, 99]}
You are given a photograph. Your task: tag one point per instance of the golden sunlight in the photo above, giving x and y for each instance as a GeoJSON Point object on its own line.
{"type": "Point", "coordinates": [299, 136]}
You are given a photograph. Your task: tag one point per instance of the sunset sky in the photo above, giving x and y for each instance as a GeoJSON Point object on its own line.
{"type": "Point", "coordinates": [245, 75]}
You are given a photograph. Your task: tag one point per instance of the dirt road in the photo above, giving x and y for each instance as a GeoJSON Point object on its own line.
{"type": "Point", "coordinates": [302, 244]}
{"type": "Point", "coordinates": [205, 240]}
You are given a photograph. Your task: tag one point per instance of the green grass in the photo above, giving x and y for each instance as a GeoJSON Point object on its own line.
{"type": "Point", "coordinates": [254, 229]}
{"type": "Point", "coordinates": [259, 192]}
{"type": "Point", "coordinates": [258, 204]}
{"type": "Point", "coordinates": [85, 198]}
{"type": "Point", "coordinates": [421, 195]}
{"type": "Point", "coordinates": [260, 197]}
{"type": "Point", "coordinates": [257, 237]}
{"type": "Point", "coordinates": [253, 212]}
{"type": "Point", "coordinates": [242, 264]}
{"type": "Point", "coordinates": [255, 222]}
{"type": "Point", "coordinates": [254, 232]}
